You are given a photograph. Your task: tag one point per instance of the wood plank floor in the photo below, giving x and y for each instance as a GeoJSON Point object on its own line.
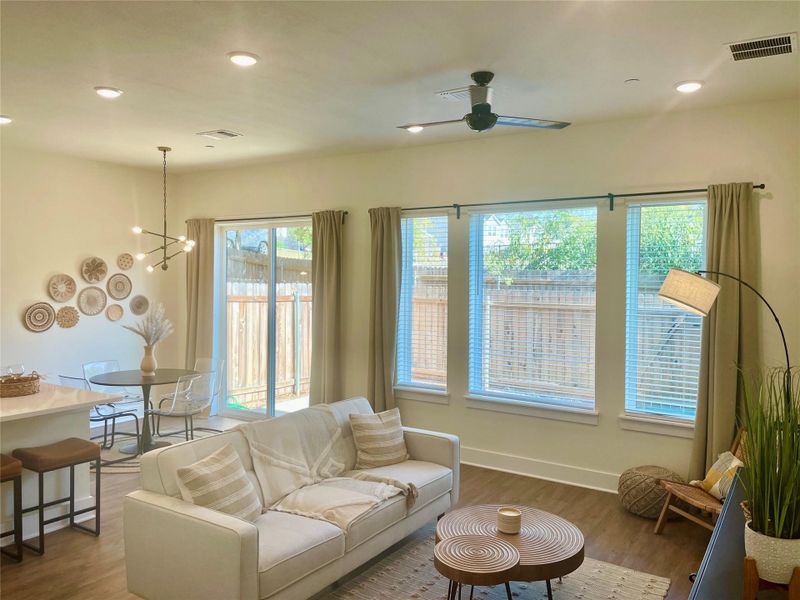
{"type": "Point", "coordinates": [79, 566]}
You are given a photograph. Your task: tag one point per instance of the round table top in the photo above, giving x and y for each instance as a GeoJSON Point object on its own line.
{"type": "Point", "coordinates": [548, 545]}
{"type": "Point", "coordinates": [136, 377]}
{"type": "Point", "coordinates": [476, 559]}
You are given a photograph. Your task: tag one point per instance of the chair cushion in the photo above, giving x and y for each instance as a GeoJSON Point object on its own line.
{"type": "Point", "coordinates": [71, 451]}
{"type": "Point", "coordinates": [431, 480]}
{"type": "Point", "coordinates": [290, 547]}
{"type": "Point", "coordinates": [379, 439]}
{"type": "Point", "coordinates": [219, 482]}
{"type": "Point", "coordinates": [371, 523]}
{"type": "Point", "coordinates": [10, 467]}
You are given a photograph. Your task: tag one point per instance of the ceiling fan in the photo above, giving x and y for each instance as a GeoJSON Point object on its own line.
{"type": "Point", "coordinates": [481, 118]}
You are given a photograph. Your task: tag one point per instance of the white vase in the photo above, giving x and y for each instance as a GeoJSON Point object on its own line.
{"type": "Point", "coordinates": [775, 558]}
{"type": "Point", "coordinates": [149, 364]}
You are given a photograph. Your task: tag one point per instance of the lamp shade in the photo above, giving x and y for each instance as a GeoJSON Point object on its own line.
{"type": "Point", "coordinates": [689, 291]}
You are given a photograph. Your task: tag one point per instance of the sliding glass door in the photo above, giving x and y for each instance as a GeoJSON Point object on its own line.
{"type": "Point", "coordinates": [264, 316]}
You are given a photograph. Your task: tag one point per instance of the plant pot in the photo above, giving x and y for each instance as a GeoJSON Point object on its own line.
{"type": "Point", "coordinates": [149, 364]}
{"type": "Point", "coordinates": [775, 558]}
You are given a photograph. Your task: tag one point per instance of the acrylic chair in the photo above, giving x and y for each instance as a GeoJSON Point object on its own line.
{"type": "Point", "coordinates": [193, 394]}
{"type": "Point", "coordinates": [201, 365]}
{"type": "Point", "coordinates": [103, 413]}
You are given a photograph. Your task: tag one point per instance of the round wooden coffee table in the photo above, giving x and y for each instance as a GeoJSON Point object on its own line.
{"type": "Point", "coordinates": [475, 560]}
{"type": "Point", "coordinates": [549, 546]}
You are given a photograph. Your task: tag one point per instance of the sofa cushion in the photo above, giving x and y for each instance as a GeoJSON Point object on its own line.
{"type": "Point", "coordinates": [219, 482]}
{"type": "Point", "coordinates": [379, 439]}
{"type": "Point", "coordinates": [432, 480]}
{"type": "Point", "coordinates": [290, 547]}
{"type": "Point", "coordinates": [371, 523]}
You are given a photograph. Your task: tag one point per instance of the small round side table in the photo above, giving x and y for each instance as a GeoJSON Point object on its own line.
{"type": "Point", "coordinates": [475, 560]}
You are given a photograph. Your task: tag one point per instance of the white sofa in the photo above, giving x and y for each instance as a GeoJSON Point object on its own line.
{"type": "Point", "coordinates": [175, 550]}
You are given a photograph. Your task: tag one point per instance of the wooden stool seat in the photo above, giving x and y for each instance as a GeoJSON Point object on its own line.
{"type": "Point", "coordinates": [10, 467]}
{"type": "Point", "coordinates": [11, 470]}
{"type": "Point", "coordinates": [71, 451]}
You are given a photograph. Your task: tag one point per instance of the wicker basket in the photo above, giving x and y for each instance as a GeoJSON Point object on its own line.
{"type": "Point", "coordinates": [19, 385]}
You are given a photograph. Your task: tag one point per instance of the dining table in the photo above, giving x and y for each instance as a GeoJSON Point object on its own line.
{"type": "Point", "coordinates": [136, 378]}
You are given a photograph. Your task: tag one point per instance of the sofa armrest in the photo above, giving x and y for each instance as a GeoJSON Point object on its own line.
{"type": "Point", "coordinates": [440, 448]}
{"type": "Point", "coordinates": [175, 550]}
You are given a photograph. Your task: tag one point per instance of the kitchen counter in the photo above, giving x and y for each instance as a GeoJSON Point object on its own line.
{"type": "Point", "coordinates": [51, 399]}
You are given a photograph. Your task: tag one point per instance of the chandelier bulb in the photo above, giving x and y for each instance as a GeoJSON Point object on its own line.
{"type": "Point", "coordinates": [140, 256]}
{"type": "Point", "coordinates": [149, 268]}
{"type": "Point", "coordinates": [187, 248]}
{"type": "Point", "coordinates": [136, 229]}
{"type": "Point", "coordinates": [181, 238]}
{"type": "Point", "coordinates": [191, 243]}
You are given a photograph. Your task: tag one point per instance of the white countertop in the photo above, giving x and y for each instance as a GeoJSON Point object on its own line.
{"type": "Point", "coordinates": [51, 399]}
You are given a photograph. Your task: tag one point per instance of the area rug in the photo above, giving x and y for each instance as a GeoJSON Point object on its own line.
{"type": "Point", "coordinates": [132, 464]}
{"type": "Point", "coordinates": [408, 573]}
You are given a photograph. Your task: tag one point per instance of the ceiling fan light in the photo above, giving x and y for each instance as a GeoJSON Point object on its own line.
{"type": "Point", "coordinates": [414, 128]}
{"type": "Point", "coordinates": [688, 87]}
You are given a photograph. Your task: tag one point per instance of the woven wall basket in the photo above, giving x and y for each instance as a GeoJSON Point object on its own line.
{"type": "Point", "coordinates": [19, 385]}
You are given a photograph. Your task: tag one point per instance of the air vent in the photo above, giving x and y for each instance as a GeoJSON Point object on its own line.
{"type": "Point", "coordinates": [785, 43]}
{"type": "Point", "coordinates": [219, 134]}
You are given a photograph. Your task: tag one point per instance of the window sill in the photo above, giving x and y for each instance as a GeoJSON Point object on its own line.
{"type": "Point", "coordinates": [656, 425]}
{"type": "Point", "coordinates": [422, 394]}
{"type": "Point", "coordinates": [517, 407]}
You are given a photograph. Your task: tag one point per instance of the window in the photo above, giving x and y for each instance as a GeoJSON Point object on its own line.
{"type": "Point", "coordinates": [422, 319]}
{"type": "Point", "coordinates": [265, 318]}
{"type": "Point", "coordinates": [663, 342]}
{"type": "Point", "coordinates": [532, 306]}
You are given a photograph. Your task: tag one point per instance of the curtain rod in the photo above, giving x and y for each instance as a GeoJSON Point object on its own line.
{"type": "Point", "coordinates": [610, 197]}
{"type": "Point", "coordinates": [248, 219]}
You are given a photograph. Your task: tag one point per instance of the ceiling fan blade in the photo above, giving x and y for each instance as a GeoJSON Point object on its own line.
{"type": "Point", "coordinates": [526, 122]}
{"type": "Point", "coordinates": [461, 120]}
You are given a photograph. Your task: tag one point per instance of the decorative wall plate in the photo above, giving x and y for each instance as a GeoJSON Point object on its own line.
{"type": "Point", "coordinates": [92, 301]}
{"type": "Point", "coordinates": [67, 316]}
{"type": "Point", "coordinates": [125, 261]}
{"type": "Point", "coordinates": [139, 305]}
{"type": "Point", "coordinates": [39, 317]}
{"type": "Point", "coordinates": [119, 286]}
{"type": "Point", "coordinates": [114, 312]}
{"type": "Point", "coordinates": [61, 287]}
{"type": "Point", "coordinates": [94, 269]}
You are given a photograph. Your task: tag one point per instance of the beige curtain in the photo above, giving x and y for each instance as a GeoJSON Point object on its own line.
{"type": "Point", "coordinates": [200, 291]}
{"type": "Point", "coordinates": [384, 300]}
{"type": "Point", "coordinates": [731, 330]}
{"type": "Point", "coordinates": [326, 322]}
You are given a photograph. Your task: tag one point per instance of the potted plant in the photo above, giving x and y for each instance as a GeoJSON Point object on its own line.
{"type": "Point", "coordinates": [771, 418]}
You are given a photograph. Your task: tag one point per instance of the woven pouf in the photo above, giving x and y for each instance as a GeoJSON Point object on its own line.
{"type": "Point", "coordinates": [640, 493]}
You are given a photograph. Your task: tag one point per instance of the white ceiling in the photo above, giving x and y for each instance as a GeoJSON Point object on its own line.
{"type": "Point", "coordinates": [340, 76]}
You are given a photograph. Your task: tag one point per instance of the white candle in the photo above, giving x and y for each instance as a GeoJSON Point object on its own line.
{"type": "Point", "coordinates": [509, 520]}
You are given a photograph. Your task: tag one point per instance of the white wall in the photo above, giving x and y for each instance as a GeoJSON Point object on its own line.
{"type": "Point", "coordinates": [56, 211]}
{"type": "Point", "coordinates": [686, 149]}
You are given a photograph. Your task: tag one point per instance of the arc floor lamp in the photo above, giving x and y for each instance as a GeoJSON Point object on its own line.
{"type": "Point", "coordinates": [692, 292]}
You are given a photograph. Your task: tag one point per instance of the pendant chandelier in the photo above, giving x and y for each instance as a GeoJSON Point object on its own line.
{"type": "Point", "coordinates": [167, 241]}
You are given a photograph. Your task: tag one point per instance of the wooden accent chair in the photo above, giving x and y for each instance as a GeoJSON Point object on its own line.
{"type": "Point", "coordinates": [694, 496]}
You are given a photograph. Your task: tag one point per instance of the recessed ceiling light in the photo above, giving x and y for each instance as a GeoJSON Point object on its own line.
{"type": "Point", "coordinates": [687, 87]}
{"type": "Point", "coordinates": [414, 128]}
{"type": "Point", "coordinates": [243, 59]}
{"type": "Point", "coordinates": [5, 120]}
{"type": "Point", "coordinates": [108, 92]}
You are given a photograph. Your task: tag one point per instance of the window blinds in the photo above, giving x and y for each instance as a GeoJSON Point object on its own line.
{"type": "Point", "coordinates": [532, 306]}
{"type": "Point", "coordinates": [422, 318]}
{"type": "Point", "coordinates": [663, 342]}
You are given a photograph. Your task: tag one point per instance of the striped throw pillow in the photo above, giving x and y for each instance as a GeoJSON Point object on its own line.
{"type": "Point", "coordinates": [379, 439]}
{"type": "Point", "coordinates": [219, 482]}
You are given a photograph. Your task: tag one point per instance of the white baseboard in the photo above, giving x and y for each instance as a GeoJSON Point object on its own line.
{"type": "Point", "coordinates": [541, 469]}
{"type": "Point", "coordinates": [30, 521]}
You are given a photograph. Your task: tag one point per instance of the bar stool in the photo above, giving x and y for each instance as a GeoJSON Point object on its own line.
{"type": "Point", "coordinates": [70, 452]}
{"type": "Point", "coordinates": [11, 470]}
